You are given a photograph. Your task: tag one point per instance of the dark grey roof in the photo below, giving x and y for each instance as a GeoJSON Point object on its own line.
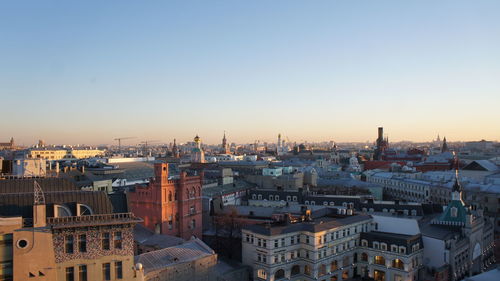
{"type": "Point", "coordinates": [27, 185]}
{"type": "Point", "coordinates": [320, 224]}
{"type": "Point", "coordinates": [119, 201]}
{"type": "Point", "coordinates": [393, 238]}
{"type": "Point", "coordinates": [21, 204]}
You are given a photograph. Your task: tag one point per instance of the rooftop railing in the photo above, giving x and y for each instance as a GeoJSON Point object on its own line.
{"type": "Point", "coordinates": [93, 219]}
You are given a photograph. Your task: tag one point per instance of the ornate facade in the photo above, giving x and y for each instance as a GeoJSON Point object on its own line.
{"type": "Point", "coordinates": [170, 206]}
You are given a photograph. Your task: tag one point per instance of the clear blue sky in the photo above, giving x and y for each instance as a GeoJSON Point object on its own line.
{"type": "Point", "coordinates": [89, 71]}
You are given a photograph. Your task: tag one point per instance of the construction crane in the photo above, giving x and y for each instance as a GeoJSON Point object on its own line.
{"type": "Point", "coordinates": [120, 142]}
{"type": "Point", "coordinates": [145, 143]}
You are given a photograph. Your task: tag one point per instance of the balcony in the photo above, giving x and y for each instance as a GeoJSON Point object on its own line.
{"type": "Point", "coordinates": [93, 220]}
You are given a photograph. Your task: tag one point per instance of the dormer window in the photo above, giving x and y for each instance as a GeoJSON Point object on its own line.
{"type": "Point", "coordinates": [84, 210]}
{"type": "Point", "coordinates": [61, 211]}
{"type": "Point", "coordinates": [454, 212]}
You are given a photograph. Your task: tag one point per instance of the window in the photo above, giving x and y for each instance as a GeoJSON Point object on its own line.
{"type": "Point", "coordinates": [193, 224]}
{"type": "Point", "coordinates": [345, 261]}
{"type": "Point", "coordinates": [82, 243]}
{"type": "Point", "coordinates": [261, 273]}
{"type": "Point", "coordinates": [68, 242]}
{"type": "Point", "coordinates": [307, 270]}
{"type": "Point", "coordinates": [399, 264]}
{"type": "Point", "coordinates": [118, 270]}
{"type": "Point", "coordinates": [379, 260]}
{"type": "Point", "coordinates": [295, 270]}
{"type": "Point", "coordinates": [70, 274]}
{"type": "Point", "coordinates": [454, 212]}
{"type": "Point", "coordinates": [82, 273]}
{"type": "Point", "coordinates": [276, 243]}
{"type": "Point", "coordinates": [294, 198]}
{"type": "Point", "coordinates": [105, 241]}
{"type": "Point", "coordinates": [106, 271]}
{"type": "Point", "coordinates": [279, 274]}
{"type": "Point", "coordinates": [364, 257]}
{"type": "Point", "coordinates": [394, 248]}
{"type": "Point", "coordinates": [322, 270]}
{"type": "Point", "coordinates": [84, 210]}
{"type": "Point", "coordinates": [402, 250]}
{"type": "Point", "coordinates": [118, 240]}
{"type": "Point", "coordinates": [333, 265]}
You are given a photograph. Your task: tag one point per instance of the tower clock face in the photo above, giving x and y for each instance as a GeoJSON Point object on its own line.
{"type": "Point", "coordinates": [477, 251]}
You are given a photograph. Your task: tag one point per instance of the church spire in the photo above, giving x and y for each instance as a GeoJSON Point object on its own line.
{"type": "Point", "coordinates": [444, 148]}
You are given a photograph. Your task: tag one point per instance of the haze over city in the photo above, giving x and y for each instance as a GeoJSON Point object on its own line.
{"type": "Point", "coordinates": [90, 71]}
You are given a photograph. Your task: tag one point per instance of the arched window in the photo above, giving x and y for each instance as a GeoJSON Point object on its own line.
{"type": "Point", "coordinates": [333, 265]}
{"type": "Point", "coordinates": [397, 263]}
{"type": "Point", "coordinates": [62, 211]}
{"type": "Point", "coordinates": [346, 261]}
{"type": "Point", "coordinates": [307, 270]}
{"type": "Point", "coordinates": [345, 274]}
{"type": "Point", "coordinates": [279, 274]}
{"type": "Point", "coordinates": [379, 260]}
{"type": "Point", "coordinates": [262, 274]}
{"type": "Point", "coordinates": [254, 196]}
{"type": "Point", "coordinates": [84, 210]}
{"type": "Point", "coordinates": [295, 270]}
{"type": "Point", "coordinates": [364, 257]}
{"type": "Point", "coordinates": [322, 270]}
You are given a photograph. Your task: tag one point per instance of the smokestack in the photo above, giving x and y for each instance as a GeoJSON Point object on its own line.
{"type": "Point", "coordinates": [380, 133]}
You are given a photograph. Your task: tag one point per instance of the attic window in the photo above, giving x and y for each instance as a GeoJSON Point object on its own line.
{"type": "Point", "coordinates": [454, 212]}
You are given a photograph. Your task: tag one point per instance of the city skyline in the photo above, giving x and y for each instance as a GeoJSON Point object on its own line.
{"type": "Point", "coordinates": [137, 141]}
{"type": "Point", "coordinates": [88, 72]}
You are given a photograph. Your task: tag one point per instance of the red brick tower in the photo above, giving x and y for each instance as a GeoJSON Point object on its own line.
{"type": "Point", "coordinates": [170, 207]}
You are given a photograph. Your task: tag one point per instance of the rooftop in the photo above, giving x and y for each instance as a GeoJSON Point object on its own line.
{"type": "Point", "coordinates": [317, 225]}
{"type": "Point", "coordinates": [189, 251]}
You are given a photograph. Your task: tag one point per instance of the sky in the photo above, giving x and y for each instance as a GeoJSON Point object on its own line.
{"type": "Point", "coordinates": [86, 72]}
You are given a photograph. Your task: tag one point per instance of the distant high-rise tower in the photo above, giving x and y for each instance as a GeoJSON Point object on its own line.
{"type": "Point", "coordinates": [175, 150]}
{"type": "Point", "coordinates": [444, 148]}
{"type": "Point", "coordinates": [225, 146]}
{"type": "Point", "coordinates": [381, 144]}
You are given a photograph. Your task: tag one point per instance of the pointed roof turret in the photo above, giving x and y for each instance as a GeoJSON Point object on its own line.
{"type": "Point", "coordinates": [444, 148]}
